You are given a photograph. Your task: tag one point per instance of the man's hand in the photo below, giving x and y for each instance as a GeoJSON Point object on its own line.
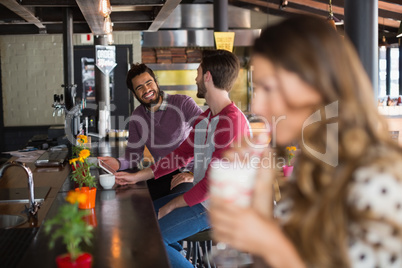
{"type": "Point", "coordinates": [180, 178]}
{"type": "Point", "coordinates": [110, 161]}
{"type": "Point", "coordinates": [124, 178]}
{"type": "Point", "coordinates": [177, 202]}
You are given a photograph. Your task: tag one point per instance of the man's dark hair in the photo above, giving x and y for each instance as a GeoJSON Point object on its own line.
{"type": "Point", "coordinates": [137, 69]}
{"type": "Point", "coordinates": [223, 65]}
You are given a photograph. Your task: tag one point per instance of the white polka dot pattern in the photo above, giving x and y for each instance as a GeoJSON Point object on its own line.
{"type": "Point", "coordinates": [376, 244]}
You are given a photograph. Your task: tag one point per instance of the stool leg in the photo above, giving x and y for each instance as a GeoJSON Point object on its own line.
{"type": "Point", "coordinates": [189, 248]}
{"type": "Point", "coordinates": [205, 259]}
{"type": "Point", "coordinates": [209, 250]}
{"type": "Point", "coordinates": [195, 257]}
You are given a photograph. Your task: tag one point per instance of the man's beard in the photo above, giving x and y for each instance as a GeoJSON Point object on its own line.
{"type": "Point", "coordinates": [149, 105]}
{"type": "Point", "coordinates": [201, 90]}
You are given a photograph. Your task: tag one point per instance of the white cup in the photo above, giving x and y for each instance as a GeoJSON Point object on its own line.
{"type": "Point", "coordinates": [233, 181]}
{"type": "Point", "coordinates": [106, 181]}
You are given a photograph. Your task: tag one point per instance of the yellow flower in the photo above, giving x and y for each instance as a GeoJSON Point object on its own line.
{"type": "Point", "coordinates": [73, 160]}
{"type": "Point", "coordinates": [82, 139]}
{"type": "Point", "coordinates": [288, 148]}
{"type": "Point", "coordinates": [293, 148]}
{"type": "Point", "coordinates": [82, 198]}
{"type": "Point", "coordinates": [74, 197]}
{"type": "Point", "coordinates": [84, 154]}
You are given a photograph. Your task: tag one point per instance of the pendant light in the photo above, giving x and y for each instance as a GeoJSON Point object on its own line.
{"type": "Point", "coordinates": [108, 25]}
{"type": "Point", "coordinates": [104, 8]}
{"type": "Point", "coordinates": [330, 18]}
{"type": "Point", "coordinates": [383, 43]}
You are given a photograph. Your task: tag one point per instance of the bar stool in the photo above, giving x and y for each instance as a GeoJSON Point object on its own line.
{"type": "Point", "coordinates": [198, 247]}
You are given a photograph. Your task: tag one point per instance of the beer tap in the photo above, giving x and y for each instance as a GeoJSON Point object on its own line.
{"type": "Point", "coordinates": [58, 105]}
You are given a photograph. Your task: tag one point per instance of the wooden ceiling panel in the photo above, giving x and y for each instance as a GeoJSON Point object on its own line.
{"type": "Point", "coordinates": [390, 13]}
{"type": "Point", "coordinates": [131, 15]}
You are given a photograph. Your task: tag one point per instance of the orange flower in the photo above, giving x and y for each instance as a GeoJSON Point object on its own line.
{"type": "Point", "coordinates": [82, 139]}
{"type": "Point", "coordinates": [84, 154]}
{"type": "Point", "coordinates": [73, 160]}
{"type": "Point", "coordinates": [74, 197]}
{"type": "Point", "coordinates": [290, 154]}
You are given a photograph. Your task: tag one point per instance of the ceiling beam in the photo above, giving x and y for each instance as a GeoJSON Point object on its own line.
{"type": "Point", "coordinates": [319, 6]}
{"type": "Point", "coordinates": [137, 2]}
{"type": "Point", "coordinates": [131, 16]}
{"type": "Point", "coordinates": [47, 3]}
{"type": "Point", "coordinates": [163, 14]}
{"type": "Point", "coordinates": [387, 21]}
{"type": "Point", "coordinates": [24, 13]}
{"type": "Point", "coordinates": [390, 7]}
{"type": "Point", "coordinates": [89, 9]}
{"type": "Point", "coordinates": [274, 6]}
{"type": "Point", "coordinates": [398, 2]}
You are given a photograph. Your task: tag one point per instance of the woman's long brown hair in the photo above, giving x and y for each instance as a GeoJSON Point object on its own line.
{"type": "Point", "coordinates": [311, 48]}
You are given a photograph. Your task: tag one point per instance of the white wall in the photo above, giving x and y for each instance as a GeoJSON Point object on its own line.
{"type": "Point", "coordinates": [32, 71]}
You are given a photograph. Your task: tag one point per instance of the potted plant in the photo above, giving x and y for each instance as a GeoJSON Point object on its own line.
{"type": "Point", "coordinates": [81, 174]}
{"type": "Point", "coordinates": [72, 228]}
{"type": "Point", "coordinates": [288, 169]}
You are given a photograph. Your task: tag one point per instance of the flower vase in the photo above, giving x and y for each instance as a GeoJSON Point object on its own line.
{"type": "Point", "coordinates": [91, 197]}
{"type": "Point", "coordinates": [83, 261]}
{"type": "Point", "coordinates": [287, 170]}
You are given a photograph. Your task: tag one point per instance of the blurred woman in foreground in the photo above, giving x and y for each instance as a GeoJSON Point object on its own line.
{"type": "Point", "coordinates": [343, 205]}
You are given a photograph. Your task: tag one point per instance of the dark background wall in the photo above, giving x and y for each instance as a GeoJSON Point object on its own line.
{"type": "Point", "coordinates": [14, 138]}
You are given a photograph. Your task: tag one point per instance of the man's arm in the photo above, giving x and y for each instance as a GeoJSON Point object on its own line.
{"type": "Point", "coordinates": [176, 159]}
{"type": "Point", "coordinates": [135, 146]}
{"type": "Point", "coordinates": [191, 112]}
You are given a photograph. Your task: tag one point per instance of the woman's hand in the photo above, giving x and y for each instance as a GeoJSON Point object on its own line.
{"type": "Point", "coordinates": [176, 202]}
{"type": "Point", "coordinates": [242, 228]}
{"type": "Point", "coordinates": [110, 161]}
{"type": "Point", "coordinates": [249, 231]}
{"type": "Point", "coordinates": [124, 178]}
{"type": "Point", "coordinates": [180, 178]}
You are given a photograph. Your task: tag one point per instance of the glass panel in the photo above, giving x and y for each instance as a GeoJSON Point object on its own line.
{"type": "Point", "coordinates": [394, 72]}
{"type": "Point", "coordinates": [382, 69]}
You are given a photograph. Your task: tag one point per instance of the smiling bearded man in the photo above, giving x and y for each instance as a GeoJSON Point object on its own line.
{"type": "Point", "coordinates": [161, 123]}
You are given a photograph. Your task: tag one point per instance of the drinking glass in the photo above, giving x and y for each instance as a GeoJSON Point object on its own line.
{"type": "Point", "coordinates": [233, 181]}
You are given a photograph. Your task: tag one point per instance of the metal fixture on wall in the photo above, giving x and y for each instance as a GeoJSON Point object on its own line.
{"type": "Point", "coordinates": [195, 38]}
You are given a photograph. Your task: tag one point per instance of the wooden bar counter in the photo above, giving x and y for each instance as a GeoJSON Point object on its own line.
{"type": "Point", "coordinates": [126, 233]}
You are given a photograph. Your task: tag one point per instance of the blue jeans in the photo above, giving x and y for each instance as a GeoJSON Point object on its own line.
{"type": "Point", "coordinates": [179, 224]}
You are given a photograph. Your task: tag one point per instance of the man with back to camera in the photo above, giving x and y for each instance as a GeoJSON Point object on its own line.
{"type": "Point", "coordinates": [162, 122]}
{"type": "Point", "coordinates": [182, 215]}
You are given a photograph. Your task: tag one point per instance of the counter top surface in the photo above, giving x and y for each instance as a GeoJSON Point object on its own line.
{"type": "Point", "coordinates": [126, 232]}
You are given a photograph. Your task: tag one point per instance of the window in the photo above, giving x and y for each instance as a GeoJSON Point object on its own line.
{"type": "Point", "coordinates": [394, 72]}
